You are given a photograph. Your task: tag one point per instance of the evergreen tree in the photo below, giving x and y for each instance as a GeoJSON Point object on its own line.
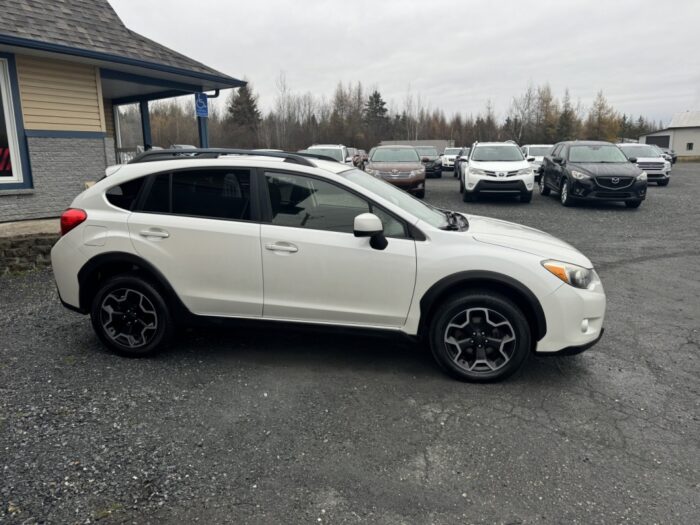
{"type": "Point", "coordinates": [601, 123]}
{"type": "Point", "coordinates": [568, 124]}
{"type": "Point", "coordinates": [244, 116]}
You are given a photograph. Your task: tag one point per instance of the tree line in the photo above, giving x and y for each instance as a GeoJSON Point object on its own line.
{"type": "Point", "coordinates": [362, 118]}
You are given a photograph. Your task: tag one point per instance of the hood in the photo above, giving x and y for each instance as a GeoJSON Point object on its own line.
{"type": "Point", "coordinates": [651, 159]}
{"type": "Point", "coordinates": [399, 166]}
{"type": "Point", "coordinates": [538, 160]}
{"type": "Point", "coordinates": [525, 239]}
{"type": "Point", "coordinates": [431, 158]}
{"type": "Point", "coordinates": [499, 166]}
{"type": "Point", "coordinates": [601, 169]}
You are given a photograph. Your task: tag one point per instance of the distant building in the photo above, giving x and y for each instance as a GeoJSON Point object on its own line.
{"type": "Point", "coordinates": [682, 135]}
{"type": "Point", "coordinates": [439, 145]}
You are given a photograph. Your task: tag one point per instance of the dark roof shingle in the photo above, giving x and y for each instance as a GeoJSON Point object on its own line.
{"type": "Point", "coordinates": [90, 25]}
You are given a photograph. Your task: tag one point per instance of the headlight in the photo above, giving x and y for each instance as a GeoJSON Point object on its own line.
{"type": "Point", "coordinates": [525, 171]}
{"type": "Point", "coordinates": [371, 172]}
{"type": "Point", "coordinates": [579, 175]}
{"type": "Point", "coordinates": [642, 176]}
{"type": "Point", "coordinates": [474, 171]}
{"type": "Point", "coordinates": [572, 274]}
{"type": "Point", "coordinates": [667, 165]}
{"type": "Point", "coordinates": [417, 172]}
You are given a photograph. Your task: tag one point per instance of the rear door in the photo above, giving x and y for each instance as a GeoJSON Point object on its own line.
{"type": "Point", "coordinates": [316, 270]}
{"type": "Point", "coordinates": [199, 228]}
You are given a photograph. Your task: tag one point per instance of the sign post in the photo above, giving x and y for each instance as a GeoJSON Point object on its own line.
{"type": "Point", "coordinates": [201, 109]}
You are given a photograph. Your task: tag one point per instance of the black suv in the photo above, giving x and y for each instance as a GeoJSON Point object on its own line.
{"type": "Point", "coordinates": [431, 160]}
{"type": "Point", "coordinates": [592, 170]}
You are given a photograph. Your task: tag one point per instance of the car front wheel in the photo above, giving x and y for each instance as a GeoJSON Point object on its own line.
{"type": "Point", "coordinates": [564, 196]}
{"type": "Point", "coordinates": [479, 336]}
{"type": "Point", "coordinates": [131, 317]}
{"type": "Point", "coordinates": [633, 204]}
{"type": "Point", "coordinates": [544, 190]}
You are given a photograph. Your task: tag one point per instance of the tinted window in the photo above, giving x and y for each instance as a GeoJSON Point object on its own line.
{"type": "Point", "coordinates": [304, 202]}
{"type": "Point", "coordinates": [392, 226]}
{"type": "Point", "coordinates": [334, 153]}
{"type": "Point", "coordinates": [497, 153]}
{"type": "Point", "coordinates": [596, 153]}
{"type": "Point", "coordinates": [124, 196]}
{"type": "Point", "coordinates": [218, 194]}
{"type": "Point", "coordinates": [158, 200]}
{"type": "Point", "coordinates": [540, 151]}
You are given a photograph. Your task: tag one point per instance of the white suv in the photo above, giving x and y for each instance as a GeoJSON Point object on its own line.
{"type": "Point", "coordinates": [497, 168]}
{"type": "Point", "coordinates": [172, 238]}
{"type": "Point", "coordinates": [334, 151]}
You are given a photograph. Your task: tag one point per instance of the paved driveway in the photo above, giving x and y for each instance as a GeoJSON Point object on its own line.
{"type": "Point", "coordinates": [304, 427]}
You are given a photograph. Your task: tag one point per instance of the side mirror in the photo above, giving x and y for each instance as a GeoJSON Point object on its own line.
{"type": "Point", "coordinates": [558, 160]}
{"type": "Point", "coordinates": [531, 159]}
{"type": "Point", "coordinates": [369, 225]}
{"type": "Point", "coordinates": [425, 159]}
{"type": "Point", "coordinates": [633, 160]}
{"type": "Point", "coordinates": [442, 154]}
{"type": "Point", "coordinates": [348, 159]}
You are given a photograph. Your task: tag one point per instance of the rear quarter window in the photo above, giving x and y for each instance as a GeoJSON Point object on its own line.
{"type": "Point", "coordinates": [124, 195]}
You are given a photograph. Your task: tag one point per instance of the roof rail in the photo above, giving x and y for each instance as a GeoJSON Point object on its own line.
{"type": "Point", "coordinates": [214, 153]}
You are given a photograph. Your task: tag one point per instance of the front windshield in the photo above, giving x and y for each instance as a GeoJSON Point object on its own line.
{"type": "Point", "coordinates": [596, 153]}
{"type": "Point", "coordinates": [398, 197]}
{"type": "Point", "coordinates": [540, 151]}
{"type": "Point", "coordinates": [395, 155]}
{"type": "Point", "coordinates": [334, 153]}
{"type": "Point", "coordinates": [639, 151]}
{"type": "Point", "coordinates": [427, 152]}
{"type": "Point", "coordinates": [452, 151]}
{"type": "Point", "coordinates": [497, 154]}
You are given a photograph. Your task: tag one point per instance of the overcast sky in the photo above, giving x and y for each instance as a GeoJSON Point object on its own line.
{"type": "Point", "coordinates": [644, 54]}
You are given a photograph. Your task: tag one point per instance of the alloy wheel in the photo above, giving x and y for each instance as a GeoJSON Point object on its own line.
{"type": "Point", "coordinates": [564, 193]}
{"type": "Point", "coordinates": [128, 318]}
{"type": "Point", "coordinates": [480, 340]}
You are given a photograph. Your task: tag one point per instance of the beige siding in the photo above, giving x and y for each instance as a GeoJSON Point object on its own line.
{"type": "Point", "coordinates": [58, 95]}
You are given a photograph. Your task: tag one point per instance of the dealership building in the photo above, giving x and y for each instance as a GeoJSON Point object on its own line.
{"type": "Point", "coordinates": [65, 68]}
{"type": "Point", "coordinates": [682, 135]}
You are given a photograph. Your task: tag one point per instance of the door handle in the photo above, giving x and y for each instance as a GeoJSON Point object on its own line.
{"type": "Point", "coordinates": [285, 247]}
{"type": "Point", "coordinates": [159, 234]}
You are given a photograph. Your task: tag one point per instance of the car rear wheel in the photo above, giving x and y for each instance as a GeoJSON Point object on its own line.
{"type": "Point", "coordinates": [479, 336]}
{"type": "Point", "coordinates": [633, 204]}
{"type": "Point", "coordinates": [420, 194]}
{"type": "Point", "coordinates": [544, 190]}
{"type": "Point", "coordinates": [131, 317]}
{"type": "Point", "coordinates": [564, 196]}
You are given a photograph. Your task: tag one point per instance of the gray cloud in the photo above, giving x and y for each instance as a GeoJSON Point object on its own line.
{"type": "Point", "coordinates": [644, 54]}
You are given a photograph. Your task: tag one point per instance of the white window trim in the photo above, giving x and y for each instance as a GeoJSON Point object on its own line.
{"type": "Point", "coordinates": [11, 123]}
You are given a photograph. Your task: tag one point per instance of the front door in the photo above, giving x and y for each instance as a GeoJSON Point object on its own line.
{"type": "Point", "coordinates": [316, 270]}
{"type": "Point", "coordinates": [196, 228]}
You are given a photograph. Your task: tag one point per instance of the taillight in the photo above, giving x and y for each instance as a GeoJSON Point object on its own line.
{"type": "Point", "coordinates": [71, 218]}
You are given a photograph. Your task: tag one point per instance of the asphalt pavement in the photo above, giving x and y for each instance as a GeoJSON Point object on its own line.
{"type": "Point", "coordinates": [273, 425]}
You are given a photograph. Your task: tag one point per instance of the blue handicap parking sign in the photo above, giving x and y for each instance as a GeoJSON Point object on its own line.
{"type": "Point", "coordinates": [201, 105]}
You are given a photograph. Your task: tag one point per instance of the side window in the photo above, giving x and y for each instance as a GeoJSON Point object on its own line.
{"type": "Point", "coordinates": [564, 152]}
{"type": "Point", "coordinates": [556, 150]}
{"type": "Point", "coordinates": [124, 196]}
{"type": "Point", "coordinates": [158, 199]}
{"type": "Point", "coordinates": [216, 194]}
{"type": "Point", "coordinates": [304, 202]}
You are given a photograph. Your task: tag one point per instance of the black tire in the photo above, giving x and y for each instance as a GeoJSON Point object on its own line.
{"type": "Point", "coordinates": [420, 194]}
{"type": "Point", "coordinates": [663, 182]}
{"type": "Point", "coordinates": [461, 185]}
{"type": "Point", "coordinates": [439, 175]}
{"type": "Point", "coordinates": [544, 189]}
{"type": "Point", "coordinates": [455, 360]}
{"type": "Point", "coordinates": [468, 196]}
{"type": "Point", "coordinates": [526, 196]}
{"type": "Point", "coordinates": [633, 204]}
{"type": "Point", "coordinates": [137, 313]}
{"type": "Point", "coordinates": [564, 196]}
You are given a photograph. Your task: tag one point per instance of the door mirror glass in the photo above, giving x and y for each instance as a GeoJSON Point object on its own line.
{"type": "Point", "coordinates": [633, 160]}
{"type": "Point", "coordinates": [558, 160]}
{"type": "Point", "coordinates": [531, 159]}
{"type": "Point", "coordinates": [369, 225]}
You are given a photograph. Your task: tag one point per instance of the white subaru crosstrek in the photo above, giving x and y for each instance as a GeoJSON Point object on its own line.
{"type": "Point", "coordinates": [175, 237]}
{"type": "Point", "coordinates": [497, 168]}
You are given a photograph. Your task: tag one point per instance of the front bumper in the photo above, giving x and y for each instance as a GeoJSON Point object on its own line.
{"type": "Point", "coordinates": [574, 319]}
{"type": "Point", "coordinates": [505, 186]}
{"type": "Point", "coordinates": [656, 176]}
{"type": "Point", "coordinates": [432, 170]}
{"type": "Point", "coordinates": [589, 189]}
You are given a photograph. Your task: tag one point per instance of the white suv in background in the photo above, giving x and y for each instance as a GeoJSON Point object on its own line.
{"type": "Point", "coordinates": [535, 154]}
{"type": "Point", "coordinates": [449, 156]}
{"type": "Point", "coordinates": [334, 151]}
{"type": "Point", "coordinates": [496, 168]}
{"type": "Point", "coordinates": [169, 239]}
{"type": "Point", "coordinates": [649, 159]}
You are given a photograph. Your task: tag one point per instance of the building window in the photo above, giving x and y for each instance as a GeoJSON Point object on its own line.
{"type": "Point", "coordinates": [10, 164]}
{"type": "Point", "coordinates": [689, 146]}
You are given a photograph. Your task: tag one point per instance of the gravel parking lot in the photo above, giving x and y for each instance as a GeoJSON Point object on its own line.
{"type": "Point", "coordinates": [278, 426]}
